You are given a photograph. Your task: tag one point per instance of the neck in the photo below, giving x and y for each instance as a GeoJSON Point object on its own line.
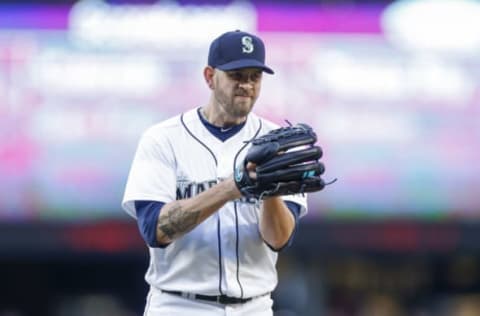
{"type": "Point", "coordinates": [216, 116]}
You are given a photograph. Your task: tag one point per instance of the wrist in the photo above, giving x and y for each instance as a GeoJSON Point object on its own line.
{"type": "Point", "coordinates": [232, 189]}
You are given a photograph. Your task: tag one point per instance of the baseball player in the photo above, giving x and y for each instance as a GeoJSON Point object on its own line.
{"type": "Point", "coordinates": [212, 250]}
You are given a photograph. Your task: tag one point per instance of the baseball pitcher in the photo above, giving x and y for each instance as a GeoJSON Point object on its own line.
{"type": "Point", "coordinates": [217, 192]}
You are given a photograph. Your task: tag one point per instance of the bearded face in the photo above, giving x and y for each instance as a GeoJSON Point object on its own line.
{"type": "Point", "coordinates": [236, 91]}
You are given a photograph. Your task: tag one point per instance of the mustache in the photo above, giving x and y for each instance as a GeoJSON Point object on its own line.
{"type": "Point", "coordinates": [243, 93]}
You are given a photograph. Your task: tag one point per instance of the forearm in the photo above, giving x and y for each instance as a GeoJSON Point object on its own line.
{"type": "Point", "coordinates": [179, 217]}
{"type": "Point", "coordinates": [276, 223]}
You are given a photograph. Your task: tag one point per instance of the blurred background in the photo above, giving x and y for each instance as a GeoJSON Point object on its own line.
{"type": "Point", "coordinates": [392, 88]}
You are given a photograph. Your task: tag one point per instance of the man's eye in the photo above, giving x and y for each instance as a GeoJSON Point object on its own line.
{"type": "Point", "coordinates": [237, 76]}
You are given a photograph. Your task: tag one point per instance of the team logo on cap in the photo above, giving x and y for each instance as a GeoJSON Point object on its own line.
{"type": "Point", "coordinates": [247, 44]}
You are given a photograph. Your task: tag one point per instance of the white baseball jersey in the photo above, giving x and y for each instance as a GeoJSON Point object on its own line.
{"type": "Point", "coordinates": [225, 254]}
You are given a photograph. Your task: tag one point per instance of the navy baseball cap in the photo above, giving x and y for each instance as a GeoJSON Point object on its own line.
{"type": "Point", "coordinates": [236, 50]}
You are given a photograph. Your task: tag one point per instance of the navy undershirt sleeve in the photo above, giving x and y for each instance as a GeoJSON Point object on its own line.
{"type": "Point", "coordinates": [147, 218]}
{"type": "Point", "coordinates": [295, 209]}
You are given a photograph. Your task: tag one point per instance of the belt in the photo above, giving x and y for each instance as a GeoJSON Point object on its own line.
{"type": "Point", "coordinates": [222, 299]}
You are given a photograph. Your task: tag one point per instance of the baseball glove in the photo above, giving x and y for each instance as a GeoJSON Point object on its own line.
{"type": "Point", "coordinates": [286, 162]}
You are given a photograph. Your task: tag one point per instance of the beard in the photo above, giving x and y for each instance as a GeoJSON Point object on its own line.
{"type": "Point", "coordinates": [233, 105]}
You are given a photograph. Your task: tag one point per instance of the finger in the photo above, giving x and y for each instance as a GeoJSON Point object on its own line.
{"type": "Point", "coordinates": [251, 168]}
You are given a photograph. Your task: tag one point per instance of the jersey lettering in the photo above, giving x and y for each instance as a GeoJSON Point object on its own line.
{"type": "Point", "coordinates": [186, 190]}
{"type": "Point", "coordinates": [200, 188]}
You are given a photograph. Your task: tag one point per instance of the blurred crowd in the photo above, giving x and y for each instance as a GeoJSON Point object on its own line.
{"type": "Point", "coordinates": [363, 305]}
{"type": "Point", "coordinates": [387, 305]}
{"type": "Point", "coordinates": [309, 285]}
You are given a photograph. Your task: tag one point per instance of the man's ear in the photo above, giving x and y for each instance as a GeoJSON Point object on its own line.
{"type": "Point", "coordinates": [208, 73]}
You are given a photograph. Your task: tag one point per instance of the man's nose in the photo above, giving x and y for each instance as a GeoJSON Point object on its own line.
{"type": "Point", "coordinates": [247, 83]}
